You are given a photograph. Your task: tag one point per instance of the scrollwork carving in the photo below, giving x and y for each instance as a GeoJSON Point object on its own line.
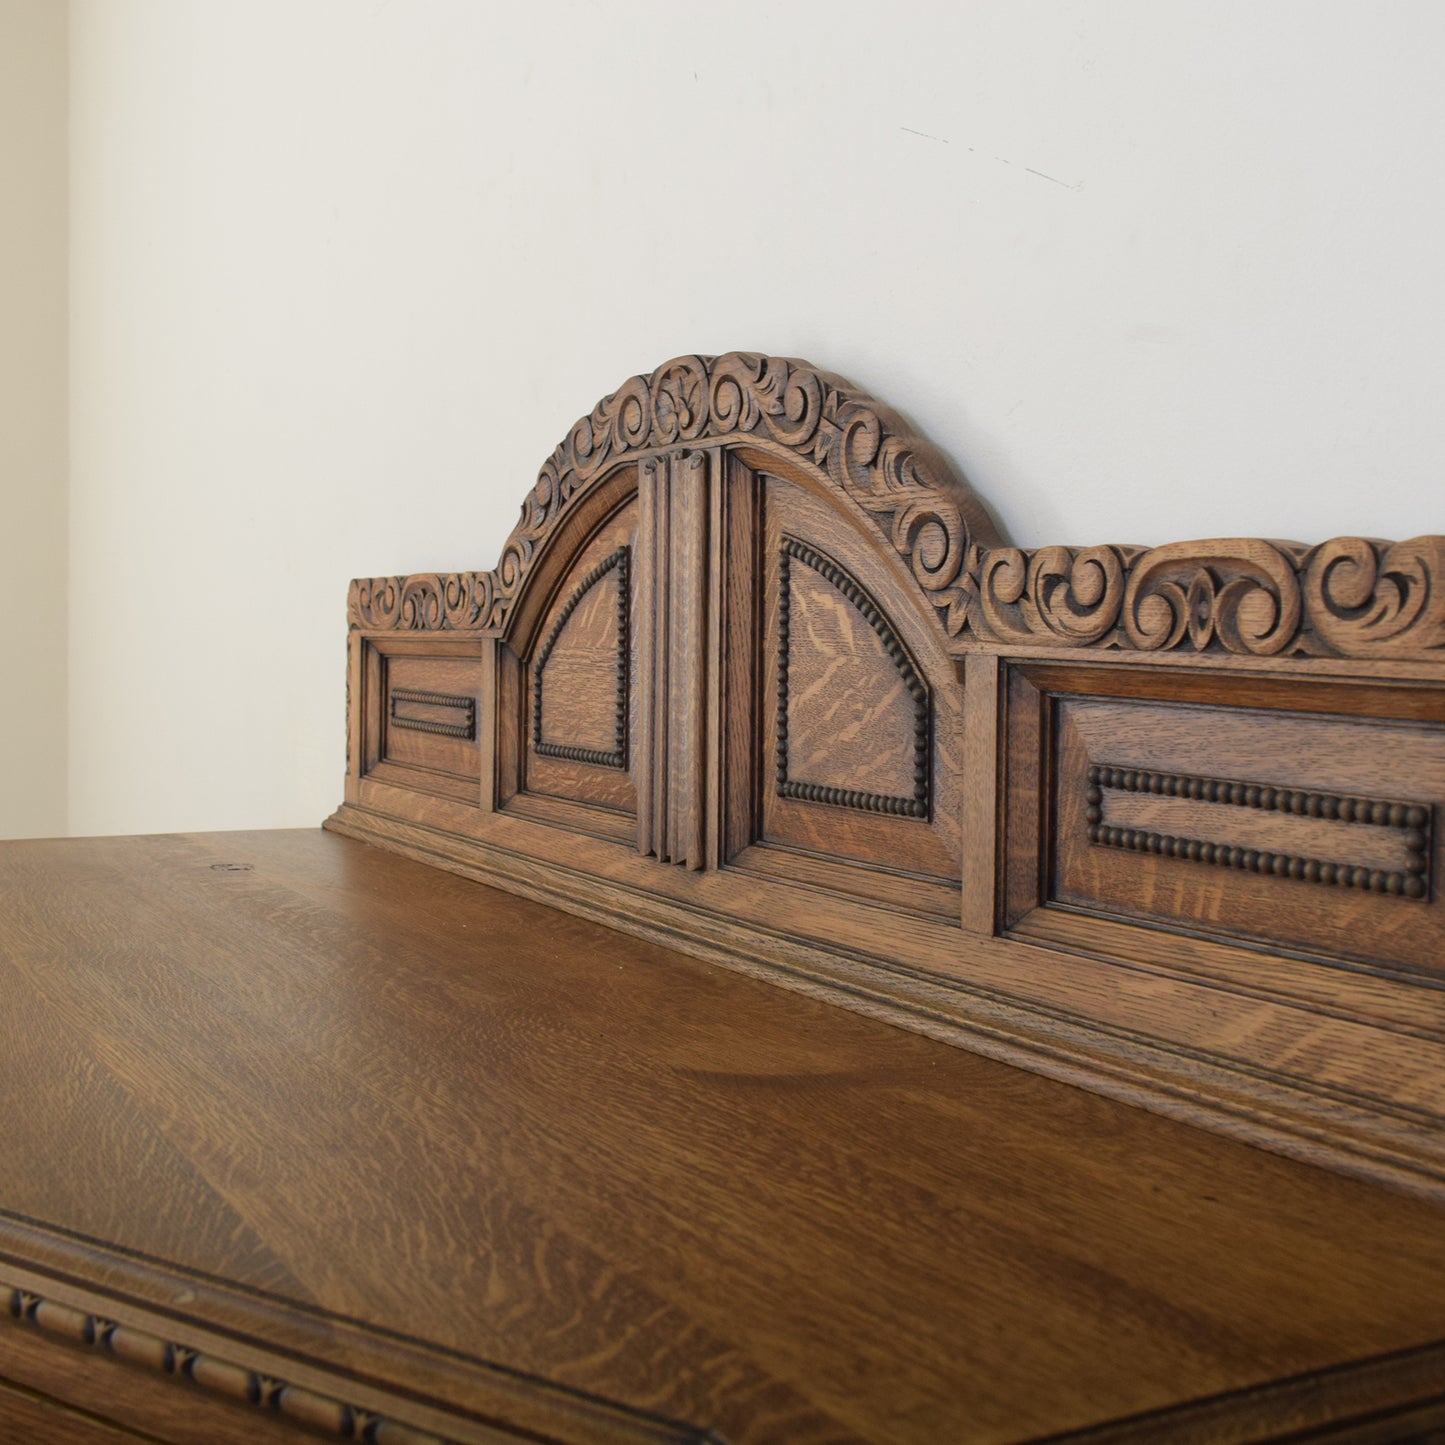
{"type": "Point", "coordinates": [899, 481]}
{"type": "Point", "coordinates": [424, 602]}
{"type": "Point", "coordinates": [1350, 597]}
{"type": "Point", "coordinates": [1074, 597]}
{"type": "Point", "coordinates": [1370, 598]}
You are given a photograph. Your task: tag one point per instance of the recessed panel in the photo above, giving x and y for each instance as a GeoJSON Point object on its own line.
{"type": "Point", "coordinates": [580, 677]}
{"type": "Point", "coordinates": [1304, 830]}
{"type": "Point", "coordinates": [857, 729]}
{"type": "Point", "coordinates": [569, 693]}
{"type": "Point", "coordinates": [429, 716]}
{"type": "Point", "coordinates": [853, 713]}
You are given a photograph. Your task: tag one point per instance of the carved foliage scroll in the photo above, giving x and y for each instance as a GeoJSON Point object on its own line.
{"type": "Point", "coordinates": [424, 602]}
{"type": "Point", "coordinates": [874, 699]}
{"type": "Point", "coordinates": [1351, 597]}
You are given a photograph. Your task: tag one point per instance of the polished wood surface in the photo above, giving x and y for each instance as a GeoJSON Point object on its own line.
{"type": "Point", "coordinates": [443, 1157]}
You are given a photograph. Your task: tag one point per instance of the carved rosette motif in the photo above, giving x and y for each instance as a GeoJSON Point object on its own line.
{"type": "Point", "coordinates": [1350, 597]}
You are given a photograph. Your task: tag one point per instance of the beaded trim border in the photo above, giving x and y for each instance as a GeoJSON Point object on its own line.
{"type": "Point", "coordinates": [214, 1375]}
{"type": "Point", "coordinates": [918, 806]}
{"type": "Point", "coordinates": [464, 705]}
{"type": "Point", "coordinates": [1413, 820]}
{"type": "Point", "coordinates": [621, 559]}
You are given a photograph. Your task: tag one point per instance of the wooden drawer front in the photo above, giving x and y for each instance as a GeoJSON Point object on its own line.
{"type": "Point", "coordinates": [1304, 830]}
{"type": "Point", "coordinates": [427, 714]}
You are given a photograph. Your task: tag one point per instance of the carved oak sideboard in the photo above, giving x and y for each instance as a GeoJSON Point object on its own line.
{"type": "Point", "coordinates": [1122, 863]}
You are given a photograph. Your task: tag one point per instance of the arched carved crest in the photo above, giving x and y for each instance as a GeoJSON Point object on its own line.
{"type": "Point", "coordinates": [1350, 597]}
{"type": "Point", "coordinates": [861, 447]}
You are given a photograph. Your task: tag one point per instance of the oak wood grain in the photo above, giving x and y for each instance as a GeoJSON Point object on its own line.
{"type": "Point", "coordinates": [1136, 1014]}
{"type": "Point", "coordinates": [369, 1090]}
{"type": "Point", "coordinates": [24, 1415]}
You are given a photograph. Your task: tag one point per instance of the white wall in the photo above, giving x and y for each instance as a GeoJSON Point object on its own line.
{"type": "Point", "coordinates": [32, 417]}
{"type": "Point", "coordinates": [343, 274]}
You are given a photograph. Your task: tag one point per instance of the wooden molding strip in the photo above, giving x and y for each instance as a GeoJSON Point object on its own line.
{"type": "Point", "coordinates": [167, 1357]}
{"type": "Point", "coordinates": [1387, 1400]}
{"type": "Point", "coordinates": [336, 1377]}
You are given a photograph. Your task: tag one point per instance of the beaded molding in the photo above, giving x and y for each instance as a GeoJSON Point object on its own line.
{"type": "Point", "coordinates": [213, 1374]}
{"type": "Point", "coordinates": [465, 705]}
{"type": "Point", "coordinates": [1411, 819]}
{"type": "Point", "coordinates": [918, 805]}
{"type": "Point", "coordinates": [617, 758]}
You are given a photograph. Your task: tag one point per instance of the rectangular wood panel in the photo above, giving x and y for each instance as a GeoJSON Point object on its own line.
{"type": "Point", "coordinates": [423, 717]}
{"type": "Point", "coordinates": [1304, 829]}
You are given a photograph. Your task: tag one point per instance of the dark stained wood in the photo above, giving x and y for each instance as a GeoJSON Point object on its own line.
{"type": "Point", "coordinates": [300, 1135]}
{"type": "Point", "coordinates": [1301, 831]}
{"type": "Point", "coordinates": [676, 502]}
{"type": "Point", "coordinates": [308, 1083]}
{"type": "Point", "coordinates": [574, 710]}
{"type": "Point", "coordinates": [823, 773]}
{"type": "Point", "coordinates": [1241, 596]}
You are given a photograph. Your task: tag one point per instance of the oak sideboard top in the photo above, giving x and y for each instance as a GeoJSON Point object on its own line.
{"type": "Point", "coordinates": [438, 1155]}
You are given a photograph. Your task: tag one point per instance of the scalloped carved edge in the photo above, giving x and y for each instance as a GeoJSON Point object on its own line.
{"type": "Point", "coordinates": [173, 1360]}
{"type": "Point", "coordinates": [422, 602]}
{"type": "Point", "coordinates": [1349, 597]}
{"type": "Point", "coordinates": [1413, 820]}
{"type": "Point", "coordinates": [918, 806]}
{"type": "Point", "coordinates": [901, 482]}
{"type": "Point", "coordinates": [621, 560]}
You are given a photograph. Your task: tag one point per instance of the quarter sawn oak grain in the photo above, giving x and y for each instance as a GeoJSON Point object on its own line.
{"type": "Point", "coordinates": [358, 1089]}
